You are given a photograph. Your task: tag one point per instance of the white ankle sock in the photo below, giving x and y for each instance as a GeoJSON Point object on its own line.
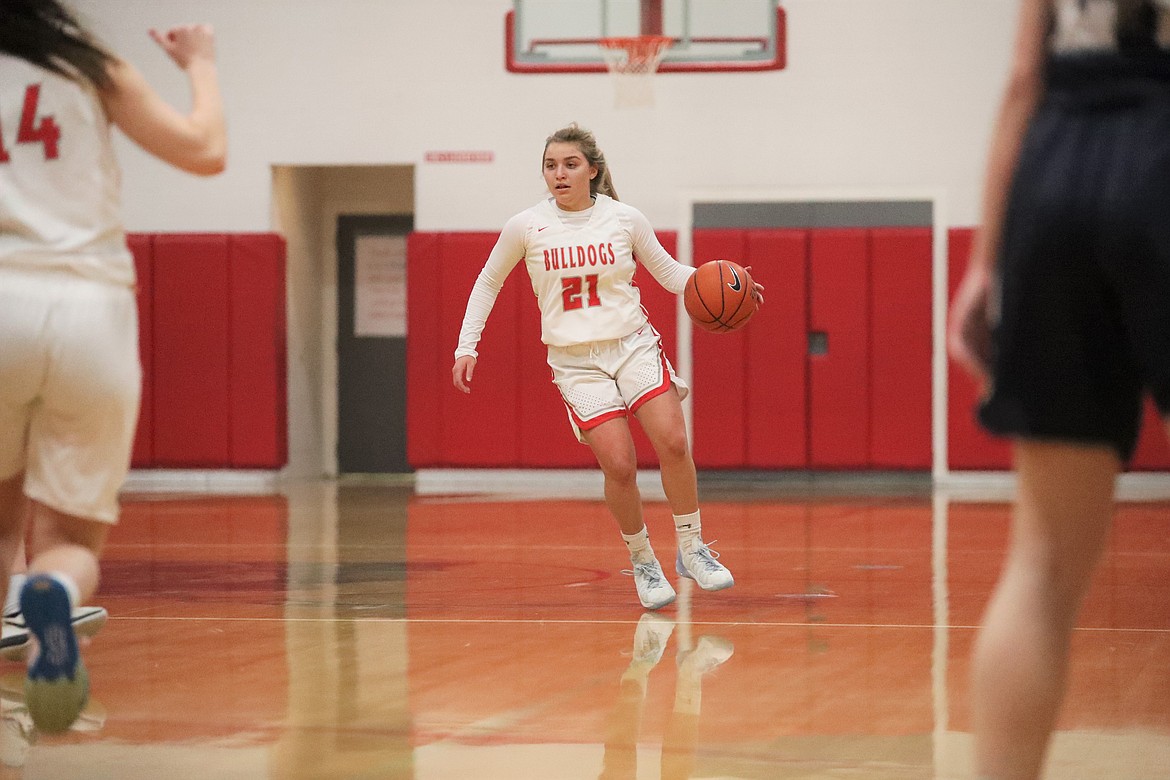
{"type": "Point", "coordinates": [639, 546]}
{"type": "Point", "coordinates": [15, 583]}
{"type": "Point", "coordinates": [689, 529]}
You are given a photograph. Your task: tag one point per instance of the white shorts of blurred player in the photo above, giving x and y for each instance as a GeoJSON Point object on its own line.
{"type": "Point", "coordinates": [70, 385]}
{"type": "Point", "coordinates": [604, 380]}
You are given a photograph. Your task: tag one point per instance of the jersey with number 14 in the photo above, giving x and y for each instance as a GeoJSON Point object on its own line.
{"type": "Point", "coordinates": [60, 202]}
{"type": "Point", "coordinates": [582, 272]}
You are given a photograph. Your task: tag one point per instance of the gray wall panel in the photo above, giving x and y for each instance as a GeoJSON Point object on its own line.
{"type": "Point", "coordinates": [818, 214]}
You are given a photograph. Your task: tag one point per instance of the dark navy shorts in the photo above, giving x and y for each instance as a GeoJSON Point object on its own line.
{"type": "Point", "coordinates": [1083, 316]}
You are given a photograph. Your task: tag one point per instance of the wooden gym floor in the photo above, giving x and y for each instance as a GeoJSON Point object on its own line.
{"type": "Point", "coordinates": [342, 630]}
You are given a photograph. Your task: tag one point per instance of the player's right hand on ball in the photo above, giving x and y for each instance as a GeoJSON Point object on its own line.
{"type": "Point", "coordinates": [757, 289]}
{"type": "Point", "coordinates": [461, 372]}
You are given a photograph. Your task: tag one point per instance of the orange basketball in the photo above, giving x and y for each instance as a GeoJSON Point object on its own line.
{"type": "Point", "coordinates": [718, 296]}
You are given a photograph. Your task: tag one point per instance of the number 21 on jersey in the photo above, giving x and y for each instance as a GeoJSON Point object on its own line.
{"type": "Point", "coordinates": [577, 292]}
{"type": "Point", "coordinates": [30, 131]}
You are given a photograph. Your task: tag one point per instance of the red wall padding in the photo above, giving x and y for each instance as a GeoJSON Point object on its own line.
{"type": "Point", "coordinates": [839, 381]}
{"type": "Point", "coordinates": [258, 412]}
{"type": "Point", "coordinates": [750, 399]}
{"type": "Point", "coordinates": [427, 362]}
{"type": "Point", "coordinates": [1153, 451]}
{"type": "Point", "coordinates": [191, 349]}
{"type": "Point", "coordinates": [719, 420]}
{"type": "Point", "coordinates": [142, 247]}
{"type": "Point", "coordinates": [777, 352]}
{"type": "Point", "coordinates": [763, 402]}
{"type": "Point", "coordinates": [969, 447]}
{"type": "Point", "coordinates": [212, 339]}
{"type": "Point", "coordinates": [900, 348]}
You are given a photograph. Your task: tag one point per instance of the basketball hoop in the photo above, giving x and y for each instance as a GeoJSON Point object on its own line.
{"type": "Point", "coordinates": [633, 61]}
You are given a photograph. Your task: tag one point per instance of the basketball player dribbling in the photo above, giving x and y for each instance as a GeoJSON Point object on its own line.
{"type": "Point", "coordinates": [69, 371]}
{"type": "Point", "coordinates": [1064, 314]}
{"type": "Point", "coordinates": [579, 246]}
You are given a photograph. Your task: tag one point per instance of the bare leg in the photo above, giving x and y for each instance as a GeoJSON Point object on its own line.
{"type": "Point", "coordinates": [67, 544]}
{"type": "Point", "coordinates": [613, 446]}
{"type": "Point", "coordinates": [662, 419]}
{"type": "Point", "coordinates": [1062, 513]}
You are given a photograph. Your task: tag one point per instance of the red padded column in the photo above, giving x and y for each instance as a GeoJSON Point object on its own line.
{"type": "Point", "coordinates": [839, 380]}
{"type": "Point", "coordinates": [968, 445]}
{"type": "Point", "coordinates": [776, 355]}
{"type": "Point", "coordinates": [900, 348]}
{"type": "Point", "coordinates": [191, 387]}
{"type": "Point", "coordinates": [428, 359]}
{"type": "Point", "coordinates": [258, 352]}
{"type": "Point", "coordinates": [720, 379]}
{"type": "Point", "coordinates": [480, 429]}
{"type": "Point", "coordinates": [142, 247]}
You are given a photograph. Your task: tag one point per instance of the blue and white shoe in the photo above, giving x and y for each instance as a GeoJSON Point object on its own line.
{"type": "Point", "coordinates": [699, 564]}
{"type": "Point", "coordinates": [654, 592]}
{"type": "Point", "coordinates": [57, 686]}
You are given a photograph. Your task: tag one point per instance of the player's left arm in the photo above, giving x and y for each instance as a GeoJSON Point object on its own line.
{"type": "Point", "coordinates": [195, 141]}
{"type": "Point", "coordinates": [669, 272]}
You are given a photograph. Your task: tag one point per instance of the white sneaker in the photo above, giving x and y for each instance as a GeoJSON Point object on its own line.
{"type": "Point", "coordinates": [700, 565]}
{"type": "Point", "coordinates": [650, 638]}
{"type": "Point", "coordinates": [14, 645]}
{"type": "Point", "coordinates": [653, 590]}
{"type": "Point", "coordinates": [708, 652]}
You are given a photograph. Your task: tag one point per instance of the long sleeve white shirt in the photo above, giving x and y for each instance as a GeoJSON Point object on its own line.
{"type": "Point", "coordinates": [581, 265]}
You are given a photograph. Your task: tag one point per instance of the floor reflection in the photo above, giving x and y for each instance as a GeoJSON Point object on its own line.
{"type": "Point", "coordinates": [361, 631]}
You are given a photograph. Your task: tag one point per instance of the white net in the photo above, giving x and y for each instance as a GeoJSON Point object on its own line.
{"type": "Point", "coordinates": [633, 62]}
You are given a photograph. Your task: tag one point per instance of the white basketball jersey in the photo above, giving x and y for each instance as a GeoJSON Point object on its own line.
{"type": "Point", "coordinates": [583, 276]}
{"type": "Point", "coordinates": [582, 271]}
{"type": "Point", "coordinates": [60, 186]}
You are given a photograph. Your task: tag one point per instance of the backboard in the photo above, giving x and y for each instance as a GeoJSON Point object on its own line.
{"type": "Point", "coordinates": [562, 36]}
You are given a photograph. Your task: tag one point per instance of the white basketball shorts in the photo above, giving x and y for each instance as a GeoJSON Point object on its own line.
{"type": "Point", "coordinates": [603, 380]}
{"type": "Point", "coordinates": [70, 384]}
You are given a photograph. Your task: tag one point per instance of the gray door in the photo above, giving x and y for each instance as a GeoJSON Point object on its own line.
{"type": "Point", "coordinates": [371, 344]}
